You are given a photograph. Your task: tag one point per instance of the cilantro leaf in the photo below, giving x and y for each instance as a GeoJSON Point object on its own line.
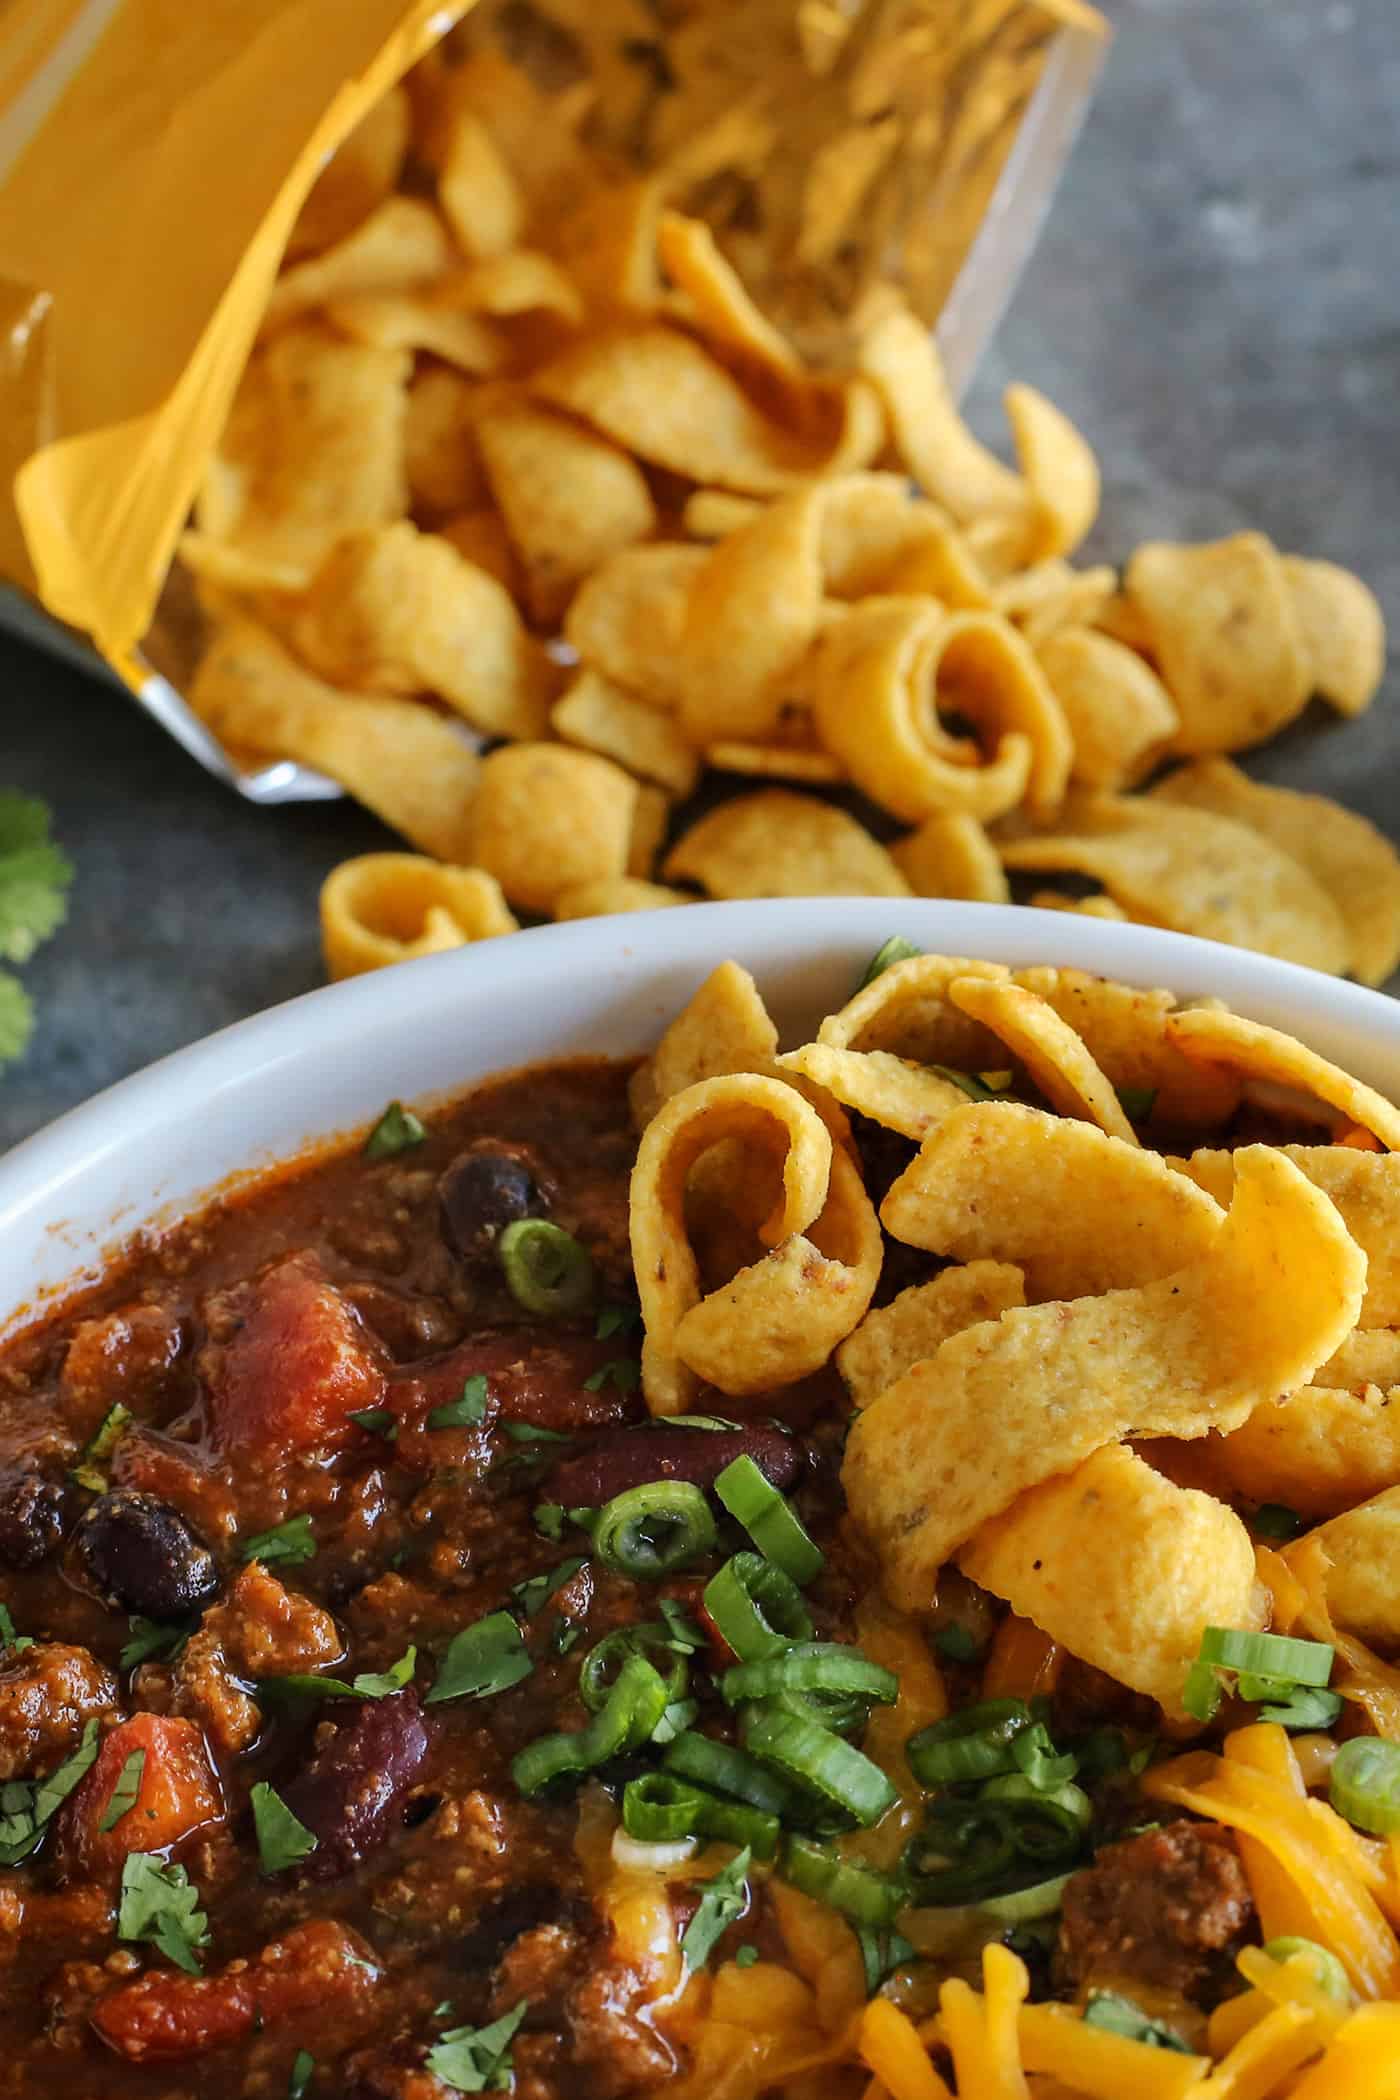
{"type": "Point", "coordinates": [723, 1902]}
{"type": "Point", "coordinates": [398, 1130]}
{"type": "Point", "coordinates": [467, 1410]}
{"type": "Point", "coordinates": [549, 1521]}
{"type": "Point", "coordinates": [623, 1371]}
{"type": "Point", "coordinates": [882, 1951]}
{"type": "Point", "coordinates": [375, 1421]}
{"type": "Point", "coordinates": [527, 1433]}
{"type": "Point", "coordinates": [16, 1018]}
{"type": "Point", "coordinates": [160, 1904]}
{"type": "Point", "coordinates": [126, 1792]}
{"type": "Point", "coordinates": [369, 1684]}
{"type": "Point", "coordinates": [34, 875]}
{"type": "Point", "coordinates": [148, 1638]}
{"type": "Point", "coordinates": [481, 1660]}
{"type": "Point", "coordinates": [1118, 2015]}
{"type": "Point", "coordinates": [16, 1641]}
{"type": "Point", "coordinates": [535, 1591]}
{"type": "Point", "coordinates": [617, 1319]}
{"type": "Point", "coordinates": [290, 1543]}
{"type": "Point", "coordinates": [477, 2059]}
{"type": "Point", "coordinates": [303, 2064]}
{"type": "Point", "coordinates": [27, 1805]}
{"type": "Point", "coordinates": [282, 1839]}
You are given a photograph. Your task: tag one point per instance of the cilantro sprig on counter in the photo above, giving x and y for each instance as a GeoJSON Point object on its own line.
{"type": "Point", "coordinates": [34, 879]}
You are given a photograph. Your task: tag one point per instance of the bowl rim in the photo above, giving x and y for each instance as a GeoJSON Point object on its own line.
{"type": "Point", "coordinates": [45, 1172]}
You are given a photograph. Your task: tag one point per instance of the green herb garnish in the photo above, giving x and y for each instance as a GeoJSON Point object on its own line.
{"type": "Point", "coordinates": [126, 1792]}
{"type": "Point", "coordinates": [377, 1421]}
{"type": "Point", "coordinates": [723, 1902]}
{"type": "Point", "coordinates": [482, 1660]}
{"type": "Point", "coordinates": [526, 1433]}
{"type": "Point", "coordinates": [370, 1684]}
{"type": "Point", "coordinates": [398, 1130]}
{"type": "Point", "coordinates": [616, 1319]}
{"type": "Point", "coordinates": [149, 1638]}
{"type": "Point", "coordinates": [8, 1637]}
{"type": "Point", "coordinates": [477, 2059]}
{"type": "Point", "coordinates": [535, 1591]}
{"type": "Point", "coordinates": [623, 1371]}
{"type": "Point", "coordinates": [28, 1805]}
{"type": "Point", "coordinates": [290, 1543]}
{"type": "Point", "coordinates": [303, 2064]}
{"type": "Point", "coordinates": [549, 1521]}
{"type": "Point", "coordinates": [1275, 1520]}
{"type": "Point", "coordinates": [895, 950]}
{"type": "Point", "coordinates": [282, 1839]}
{"type": "Point", "coordinates": [88, 1472]}
{"type": "Point", "coordinates": [160, 1904]}
{"type": "Point", "coordinates": [745, 1956]}
{"type": "Point", "coordinates": [1119, 2015]}
{"type": "Point", "coordinates": [467, 1410]}
{"type": "Point", "coordinates": [1137, 1102]}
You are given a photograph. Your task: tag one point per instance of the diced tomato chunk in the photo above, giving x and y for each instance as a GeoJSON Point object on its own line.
{"type": "Point", "coordinates": [163, 2016]}
{"type": "Point", "coordinates": [177, 1794]}
{"type": "Point", "coordinates": [295, 1370]}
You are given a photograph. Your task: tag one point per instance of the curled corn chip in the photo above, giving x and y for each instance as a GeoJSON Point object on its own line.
{"type": "Point", "coordinates": [950, 855]}
{"type": "Point", "coordinates": [547, 818]}
{"type": "Point", "coordinates": [1356, 865]}
{"type": "Point", "coordinates": [401, 245]}
{"type": "Point", "coordinates": [1092, 907]}
{"type": "Point", "coordinates": [480, 537]}
{"type": "Point", "coordinates": [313, 448]}
{"type": "Point", "coordinates": [569, 499]}
{"type": "Point", "coordinates": [404, 762]}
{"type": "Point", "coordinates": [1365, 1186]}
{"type": "Point", "coordinates": [723, 1028]}
{"type": "Point", "coordinates": [1125, 1028]}
{"type": "Point", "coordinates": [480, 197]}
{"type": "Point", "coordinates": [628, 618]}
{"type": "Point", "coordinates": [711, 513]}
{"type": "Point", "coordinates": [1227, 640]}
{"type": "Point", "coordinates": [1123, 1568]}
{"type": "Point", "coordinates": [1078, 1212]}
{"type": "Point", "coordinates": [660, 395]}
{"type": "Point", "coordinates": [523, 282]}
{"type": "Point", "coordinates": [1051, 595]}
{"type": "Point", "coordinates": [1058, 1063]}
{"type": "Point", "coordinates": [1319, 1450]}
{"type": "Point", "coordinates": [601, 717]}
{"type": "Point", "coordinates": [882, 674]}
{"type": "Point", "coordinates": [1343, 632]}
{"type": "Point", "coordinates": [776, 844]}
{"type": "Point", "coordinates": [389, 907]}
{"type": "Point", "coordinates": [651, 818]}
{"type": "Point", "coordinates": [890, 1090]}
{"type": "Point", "coordinates": [762, 1114]}
{"type": "Point", "coordinates": [440, 450]}
{"type": "Point", "coordinates": [1059, 469]}
{"type": "Point", "coordinates": [1119, 713]}
{"type": "Point", "coordinates": [906, 1009]}
{"type": "Point", "coordinates": [1192, 871]}
{"type": "Point", "coordinates": [779, 1319]}
{"type": "Point", "coordinates": [403, 321]}
{"type": "Point", "coordinates": [400, 610]}
{"type": "Point", "coordinates": [615, 893]}
{"type": "Point", "coordinates": [914, 1326]}
{"type": "Point", "coordinates": [228, 568]}
{"type": "Point", "coordinates": [956, 1440]}
{"type": "Point", "coordinates": [1212, 1036]}
{"type": "Point", "coordinates": [794, 761]}
{"type": "Point", "coordinates": [714, 301]}
{"type": "Point", "coordinates": [932, 441]}
{"type": "Point", "coordinates": [1362, 1550]}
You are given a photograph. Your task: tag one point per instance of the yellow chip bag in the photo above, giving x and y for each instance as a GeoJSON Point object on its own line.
{"type": "Point", "coordinates": [914, 1326]}
{"type": "Point", "coordinates": [1356, 864]}
{"type": "Point", "coordinates": [410, 766]}
{"type": "Point", "coordinates": [385, 908]}
{"type": "Point", "coordinates": [1225, 636]}
{"type": "Point", "coordinates": [1078, 1212]}
{"type": "Point", "coordinates": [569, 499]}
{"type": "Point", "coordinates": [956, 1440]}
{"type": "Point", "coordinates": [547, 818]}
{"type": "Point", "coordinates": [777, 844]}
{"type": "Point", "coordinates": [1124, 1569]}
{"type": "Point", "coordinates": [400, 610]}
{"type": "Point", "coordinates": [1192, 871]}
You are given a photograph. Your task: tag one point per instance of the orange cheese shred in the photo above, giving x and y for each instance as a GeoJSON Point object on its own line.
{"type": "Point", "coordinates": [1103, 2065]}
{"type": "Point", "coordinates": [890, 2046]}
{"type": "Point", "coordinates": [1281, 2043]}
{"type": "Point", "coordinates": [1022, 1662]}
{"type": "Point", "coordinates": [1362, 2063]}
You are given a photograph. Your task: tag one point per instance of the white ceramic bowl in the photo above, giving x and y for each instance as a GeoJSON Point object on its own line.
{"type": "Point", "coordinates": [152, 1147]}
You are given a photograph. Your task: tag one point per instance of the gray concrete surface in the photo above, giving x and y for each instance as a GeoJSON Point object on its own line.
{"type": "Point", "coordinates": [1216, 300]}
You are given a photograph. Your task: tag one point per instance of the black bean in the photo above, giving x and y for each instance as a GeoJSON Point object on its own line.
{"type": "Point", "coordinates": [353, 1789]}
{"type": "Point", "coordinates": [33, 1515]}
{"type": "Point", "coordinates": [616, 1459]}
{"type": "Point", "coordinates": [486, 1188]}
{"type": "Point", "coordinates": [141, 1556]}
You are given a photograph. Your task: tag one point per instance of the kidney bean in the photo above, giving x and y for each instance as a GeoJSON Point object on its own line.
{"type": "Point", "coordinates": [352, 1790]}
{"type": "Point", "coordinates": [33, 1516]}
{"type": "Point", "coordinates": [616, 1459]}
{"type": "Point", "coordinates": [140, 1555]}
{"type": "Point", "coordinates": [486, 1188]}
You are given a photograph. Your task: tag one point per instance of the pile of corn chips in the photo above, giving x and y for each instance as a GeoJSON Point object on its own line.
{"type": "Point", "coordinates": [1136, 1323]}
{"type": "Point", "coordinates": [527, 515]}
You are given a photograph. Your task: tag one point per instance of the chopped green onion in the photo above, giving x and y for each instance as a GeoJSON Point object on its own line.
{"type": "Point", "coordinates": [299, 2083]}
{"type": "Point", "coordinates": [976, 1089]}
{"type": "Point", "coordinates": [710, 1423]}
{"type": "Point", "coordinates": [881, 1953]}
{"type": "Point", "coordinates": [651, 1531]}
{"type": "Point", "coordinates": [659, 1808]}
{"type": "Point", "coordinates": [745, 1956]}
{"type": "Point", "coordinates": [17, 1641]}
{"type": "Point", "coordinates": [101, 1444]}
{"type": "Point", "coordinates": [972, 1744]}
{"type": "Point", "coordinates": [680, 1715]}
{"type": "Point", "coordinates": [1326, 1971]}
{"type": "Point", "coordinates": [547, 1270]}
{"type": "Point", "coordinates": [603, 1665]}
{"type": "Point", "coordinates": [1267, 1655]}
{"type": "Point", "coordinates": [815, 1758]}
{"type": "Point", "coordinates": [1035, 1757]}
{"type": "Point", "coordinates": [859, 1893]}
{"type": "Point", "coordinates": [811, 1666]}
{"type": "Point", "coordinates": [1202, 1692]}
{"type": "Point", "coordinates": [1275, 1520]}
{"type": "Point", "coordinates": [290, 1544]}
{"type": "Point", "coordinates": [1365, 1784]}
{"type": "Point", "coordinates": [756, 1607]}
{"type": "Point", "coordinates": [681, 1630]}
{"type": "Point", "coordinates": [957, 1644]}
{"type": "Point", "coordinates": [616, 1319]}
{"type": "Point", "coordinates": [482, 1660]}
{"type": "Point", "coordinates": [1304, 1708]}
{"type": "Point", "coordinates": [701, 1759]}
{"type": "Point", "coordinates": [895, 950]}
{"type": "Point", "coordinates": [530, 1433]}
{"type": "Point", "coordinates": [398, 1130]}
{"type": "Point", "coordinates": [1118, 2015]}
{"type": "Point", "coordinates": [1041, 1820]}
{"type": "Point", "coordinates": [549, 1521]}
{"type": "Point", "coordinates": [468, 1410]}
{"type": "Point", "coordinates": [964, 1852]}
{"type": "Point", "coordinates": [282, 1839]}
{"type": "Point", "coordinates": [1024, 1906]}
{"type": "Point", "coordinates": [769, 1519]}
{"type": "Point", "coordinates": [723, 1901]}
{"type": "Point", "coordinates": [634, 1706]}
{"type": "Point", "coordinates": [845, 1712]}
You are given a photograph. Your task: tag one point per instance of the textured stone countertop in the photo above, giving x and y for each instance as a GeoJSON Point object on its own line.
{"type": "Point", "coordinates": [1216, 300]}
